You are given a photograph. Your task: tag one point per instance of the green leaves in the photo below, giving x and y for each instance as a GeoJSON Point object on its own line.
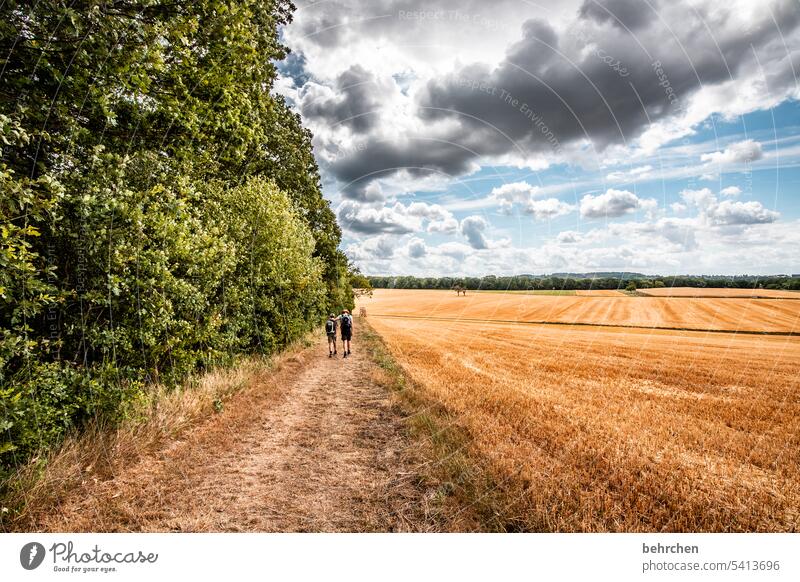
{"type": "Point", "coordinates": [160, 210]}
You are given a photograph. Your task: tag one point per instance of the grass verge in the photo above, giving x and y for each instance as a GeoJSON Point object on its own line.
{"type": "Point", "coordinates": [463, 495]}
{"type": "Point", "coordinates": [99, 452]}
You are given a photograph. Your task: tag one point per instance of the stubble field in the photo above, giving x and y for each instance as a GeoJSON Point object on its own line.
{"type": "Point", "coordinates": [707, 314]}
{"type": "Point", "coordinates": [591, 428]}
{"type": "Point", "coordinates": [710, 292]}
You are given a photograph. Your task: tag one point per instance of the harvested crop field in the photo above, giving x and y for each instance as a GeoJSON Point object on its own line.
{"type": "Point", "coordinates": [712, 292]}
{"type": "Point", "coordinates": [746, 315]}
{"type": "Point", "coordinates": [612, 428]}
{"type": "Point", "coordinates": [600, 293]}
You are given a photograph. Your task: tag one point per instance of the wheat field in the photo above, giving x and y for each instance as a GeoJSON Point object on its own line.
{"type": "Point", "coordinates": [720, 314]}
{"type": "Point", "coordinates": [711, 292]}
{"type": "Point", "coordinates": [611, 428]}
{"type": "Point", "coordinates": [600, 293]}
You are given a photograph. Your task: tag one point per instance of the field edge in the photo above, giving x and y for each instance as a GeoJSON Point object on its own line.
{"type": "Point", "coordinates": [466, 495]}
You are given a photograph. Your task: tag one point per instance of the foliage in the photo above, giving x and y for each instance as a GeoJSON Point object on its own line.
{"type": "Point", "coordinates": [160, 208]}
{"type": "Point", "coordinates": [585, 282]}
{"type": "Point", "coordinates": [361, 285]}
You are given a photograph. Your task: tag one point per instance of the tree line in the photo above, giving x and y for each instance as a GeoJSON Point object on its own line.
{"type": "Point", "coordinates": [160, 208]}
{"type": "Point", "coordinates": [627, 281]}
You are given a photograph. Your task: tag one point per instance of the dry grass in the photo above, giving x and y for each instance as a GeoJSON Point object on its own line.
{"type": "Point", "coordinates": [100, 452]}
{"type": "Point", "coordinates": [612, 429]}
{"type": "Point", "coordinates": [755, 315]}
{"type": "Point", "coordinates": [712, 292]}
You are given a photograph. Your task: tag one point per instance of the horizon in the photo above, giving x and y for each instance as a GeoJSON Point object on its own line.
{"type": "Point", "coordinates": [536, 137]}
{"type": "Point", "coordinates": [605, 274]}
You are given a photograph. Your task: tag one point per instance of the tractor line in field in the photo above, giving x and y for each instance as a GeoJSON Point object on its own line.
{"type": "Point", "coordinates": [586, 324]}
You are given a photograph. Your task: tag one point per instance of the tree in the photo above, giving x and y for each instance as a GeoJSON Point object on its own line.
{"type": "Point", "coordinates": [361, 285]}
{"type": "Point", "coordinates": [160, 209]}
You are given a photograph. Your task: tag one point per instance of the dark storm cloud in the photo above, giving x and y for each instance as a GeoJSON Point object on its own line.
{"type": "Point", "coordinates": [594, 81]}
{"type": "Point", "coordinates": [589, 98]}
{"type": "Point", "coordinates": [381, 158]}
{"type": "Point", "coordinates": [625, 14]}
{"type": "Point", "coordinates": [356, 105]}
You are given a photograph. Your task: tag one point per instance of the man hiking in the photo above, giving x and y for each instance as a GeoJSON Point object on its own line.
{"type": "Point", "coordinates": [330, 330]}
{"type": "Point", "coordinates": [346, 325]}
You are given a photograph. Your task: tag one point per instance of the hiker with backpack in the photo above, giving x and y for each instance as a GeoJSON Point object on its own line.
{"type": "Point", "coordinates": [346, 325]}
{"type": "Point", "coordinates": [330, 330]}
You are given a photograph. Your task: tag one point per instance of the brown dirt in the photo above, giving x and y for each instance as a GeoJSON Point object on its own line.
{"type": "Point", "coordinates": [317, 446]}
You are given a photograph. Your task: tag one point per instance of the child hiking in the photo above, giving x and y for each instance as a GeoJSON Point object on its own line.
{"type": "Point", "coordinates": [330, 330]}
{"type": "Point", "coordinates": [346, 326]}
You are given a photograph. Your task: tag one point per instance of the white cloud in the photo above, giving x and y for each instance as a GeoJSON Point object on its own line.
{"type": "Point", "coordinates": [569, 237]}
{"type": "Point", "coordinates": [374, 193]}
{"type": "Point", "coordinates": [630, 175]}
{"type": "Point", "coordinates": [455, 250]}
{"type": "Point", "coordinates": [514, 193]}
{"type": "Point", "coordinates": [678, 208]}
{"type": "Point", "coordinates": [742, 152]}
{"type": "Point", "coordinates": [731, 191]}
{"type": "Point", "coordinates": [446, 226]}
{"type": "Point", "coordinates": [698, 198]}
{"type": "Point", "coordinates": [548, 209]}
{"type": "Point", "coordinates": [396, 219]}
{"type": "Point", "coordinates": [429, 211]}
{"type": "Point", "coordinates": [378, 247]}
{"type": "Point", "coordinates": [678, 232]}
{"type": "Point", "coordinates": [417, 248]}
{"type": "Point", "coordinates": [614, 203]}
{"type": "Point", "coordinates": [473, 227]}
{"type": "Point", "coordinates": [729, 213]}
{"type": "Point", "coordinates": [368, 220]}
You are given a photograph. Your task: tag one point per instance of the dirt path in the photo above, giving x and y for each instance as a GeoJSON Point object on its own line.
{"type": "Point", "coordinates": [318, 446]}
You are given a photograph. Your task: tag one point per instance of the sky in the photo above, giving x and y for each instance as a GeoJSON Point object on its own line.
{"type": "Point", "coordinates": [471, 137]}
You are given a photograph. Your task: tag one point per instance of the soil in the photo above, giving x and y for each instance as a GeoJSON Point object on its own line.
{"type": "Point", "coordinates": [317, 446]}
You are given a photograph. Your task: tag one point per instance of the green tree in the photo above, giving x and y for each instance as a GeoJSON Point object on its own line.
{"type": "Point", "coordinates": [160, 210]}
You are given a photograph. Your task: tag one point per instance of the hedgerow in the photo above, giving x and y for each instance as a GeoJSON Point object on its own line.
{"type": "Point", "coordinates": [160, 208]}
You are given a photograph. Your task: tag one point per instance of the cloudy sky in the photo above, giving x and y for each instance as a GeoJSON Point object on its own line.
{"type": "Point", "coordinates": [476, 137]}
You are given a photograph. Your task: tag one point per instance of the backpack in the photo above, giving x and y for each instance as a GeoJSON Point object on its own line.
{"type": "Point", "coordinates": [347, 323]}
{"type": "Point", "coordinates": [330, 326]}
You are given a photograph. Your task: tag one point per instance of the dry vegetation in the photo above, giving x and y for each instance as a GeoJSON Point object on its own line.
{"type": "Point", "coordinates": [306, 443]}
{"type": "Point", "coordinates": [99, 453]}
{"type": "Point", "coordinates": [600, 293]}
{"type": "Point", "coordinates": [597, 429]}
{"type": "Point", "coordinates": [712, 292]}
{"type": "Point", "coordinates": [756, 315]}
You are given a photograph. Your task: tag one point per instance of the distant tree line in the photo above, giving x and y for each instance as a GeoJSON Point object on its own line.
{"type": "Point", "coordinates": [160, 207]}
{"type": "Point", "coordinates": [551, 282]}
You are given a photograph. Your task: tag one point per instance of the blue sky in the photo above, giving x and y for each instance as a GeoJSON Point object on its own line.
{"type": "Point", "coordinates": [658, 137]}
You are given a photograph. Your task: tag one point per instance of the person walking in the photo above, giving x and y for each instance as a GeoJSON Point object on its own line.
{"type": "Point", "coordinates": [330, 330]}
{"type": "Point", "coordinates": [346, 326]}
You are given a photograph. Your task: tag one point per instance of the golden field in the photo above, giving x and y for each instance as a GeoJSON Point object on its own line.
{"type": "Point", "coordinates": [600, 293]}
{"type": "Point", "coordinates": [762, 315]}
{"type": "Point", "coordinates": [612, 428]}
{"type": "Point", "coordinates": [712, 292]}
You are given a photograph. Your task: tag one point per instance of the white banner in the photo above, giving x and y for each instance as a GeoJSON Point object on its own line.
{"type": "Point", "coordinates": [390, 557]}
